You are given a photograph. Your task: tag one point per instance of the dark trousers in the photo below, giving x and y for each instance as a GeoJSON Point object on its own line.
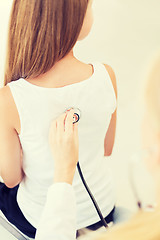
{"type": "Point", "coordinates": [11, 210]}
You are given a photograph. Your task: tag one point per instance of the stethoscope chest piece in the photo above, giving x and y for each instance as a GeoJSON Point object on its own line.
{"type": "Point", "coordinates": [77, 115]}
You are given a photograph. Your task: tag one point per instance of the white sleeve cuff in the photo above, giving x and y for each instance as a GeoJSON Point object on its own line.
{"type": "Point", "coordinates": [58, 221]}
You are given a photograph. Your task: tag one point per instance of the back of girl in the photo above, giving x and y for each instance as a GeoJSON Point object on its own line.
{"type": "Point", "coordinates": [42, 80]}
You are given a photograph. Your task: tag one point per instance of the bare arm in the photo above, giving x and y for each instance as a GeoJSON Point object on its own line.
{"type": "Point", "coordinates": [10, 147]}
{"type": "Point", "coordinates": [110, 135]}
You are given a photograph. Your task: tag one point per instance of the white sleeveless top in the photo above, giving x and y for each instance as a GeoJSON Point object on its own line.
{"type": "Point", "coordinates": [37, 107]}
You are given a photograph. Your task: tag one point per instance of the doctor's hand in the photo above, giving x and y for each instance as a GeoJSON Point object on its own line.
{"type": "Point", "coordinates": [63, 140]}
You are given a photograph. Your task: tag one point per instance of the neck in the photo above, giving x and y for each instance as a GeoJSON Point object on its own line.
{"type": "Point", "coordinates": [60, 66]}
{"type": "Point", "coordinates": [70, 53]}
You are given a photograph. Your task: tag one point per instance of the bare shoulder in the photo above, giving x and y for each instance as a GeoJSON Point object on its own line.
{"type": "Point", "coordinates": [5, 97]}
{"type": "Point", "coordinates": [112, 76]}
{"type": "Point", "coordinates": [8, 108]}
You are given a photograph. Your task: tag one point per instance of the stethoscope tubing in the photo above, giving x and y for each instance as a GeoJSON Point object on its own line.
{"type": "Point", "coordinates": [92, 197]}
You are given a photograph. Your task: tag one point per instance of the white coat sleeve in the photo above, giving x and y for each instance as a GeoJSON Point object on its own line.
{"type": "Point", "coordinates": [58, 220]}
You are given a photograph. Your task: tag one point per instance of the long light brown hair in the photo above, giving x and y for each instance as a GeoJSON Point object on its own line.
{"type": "Point", "coordinates": [40, 34]}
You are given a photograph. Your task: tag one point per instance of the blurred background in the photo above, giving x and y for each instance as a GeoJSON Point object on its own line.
{"type": "Point", "coordinates": [125, 35]}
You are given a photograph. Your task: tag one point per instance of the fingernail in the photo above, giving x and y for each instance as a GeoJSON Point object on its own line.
{"type": "Point", "coordinates": [68, 109]}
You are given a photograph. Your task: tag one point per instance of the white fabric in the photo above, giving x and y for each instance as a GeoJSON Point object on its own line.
{"type": "Point", "coordinates": [37, 107]}
{"type": "Point", "coordinates": [58, 221]}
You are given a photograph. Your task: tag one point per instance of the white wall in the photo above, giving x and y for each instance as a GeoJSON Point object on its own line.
{"type": "Point", "coordinates": [5, 6]}
{"type": "Point", "coordinates": [125, 35]}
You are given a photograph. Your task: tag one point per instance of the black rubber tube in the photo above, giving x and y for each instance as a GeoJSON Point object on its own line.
{"type": "Point", "coordinates": [92, 197]}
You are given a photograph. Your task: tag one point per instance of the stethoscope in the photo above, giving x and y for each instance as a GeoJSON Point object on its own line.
{"type": "Point", "coordinates": [76, 118]}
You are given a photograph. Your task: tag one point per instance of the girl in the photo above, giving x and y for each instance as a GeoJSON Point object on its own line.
{"type": "Point", "coordinates": [43, 79]}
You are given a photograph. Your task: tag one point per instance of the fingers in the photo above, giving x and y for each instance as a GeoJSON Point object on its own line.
{"type": "Point", "coordinates": [64, 123]}
{"type": "Point", "coordinates": [69, 121]}
{"type": "Point", "coordinates": [60, 123]}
